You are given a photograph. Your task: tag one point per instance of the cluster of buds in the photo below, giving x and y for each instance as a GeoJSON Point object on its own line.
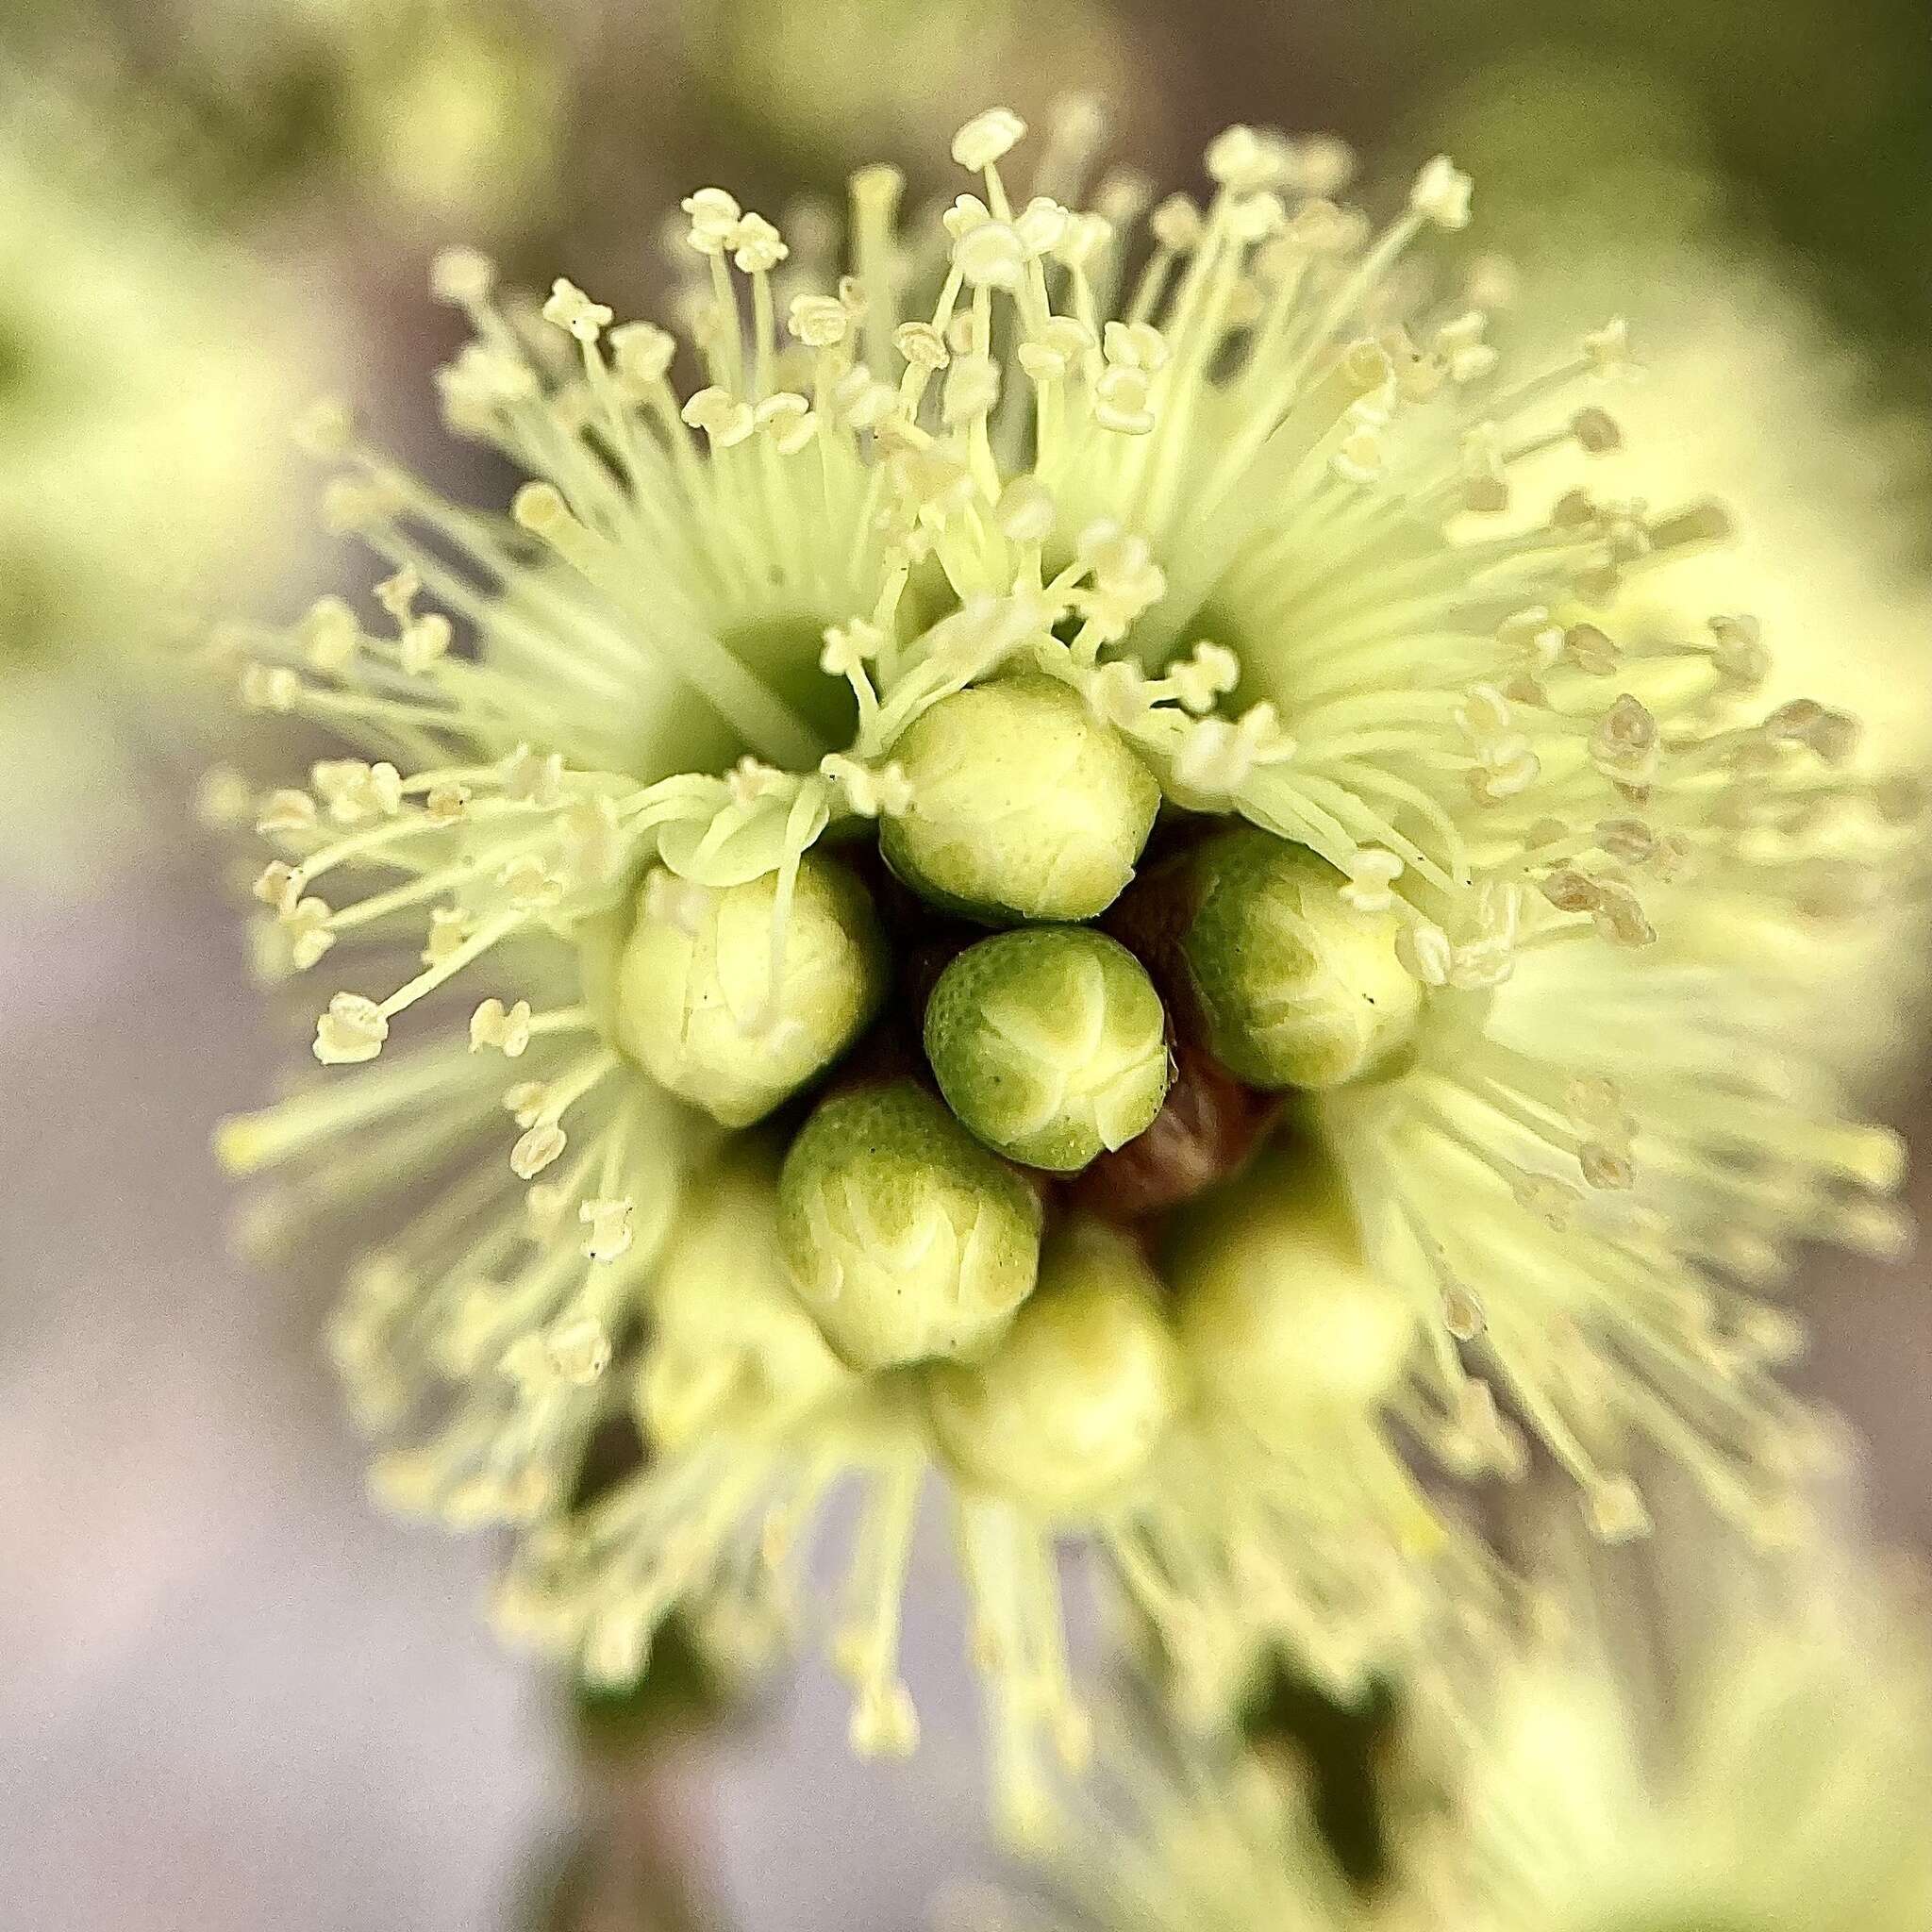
{"type": "Point", "coordinates": [915, 1197]}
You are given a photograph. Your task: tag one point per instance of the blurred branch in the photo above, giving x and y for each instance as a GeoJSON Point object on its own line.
{"type": "Point", "coordinates": [632, 1864]}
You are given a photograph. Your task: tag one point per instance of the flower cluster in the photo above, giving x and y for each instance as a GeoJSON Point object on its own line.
{"type": "Point", "coordinates": [1063, 883]}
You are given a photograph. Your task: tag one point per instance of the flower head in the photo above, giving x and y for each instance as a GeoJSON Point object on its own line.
{"type": "Point", "coordinates": [782, 749]}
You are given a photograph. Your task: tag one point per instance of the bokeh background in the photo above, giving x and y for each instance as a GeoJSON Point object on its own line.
{"type": "Point", "coordinates": [232, 1694]}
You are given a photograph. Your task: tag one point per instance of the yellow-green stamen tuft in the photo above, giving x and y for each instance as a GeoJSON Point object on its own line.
{"type": "Point", "coordinates": [975, 579]}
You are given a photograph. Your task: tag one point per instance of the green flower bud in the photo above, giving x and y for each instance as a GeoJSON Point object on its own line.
{"type": "Point", "coordinates": [1024, 805]}
{"type": "Point", "coordinates": [1071, 1404]}
{"type": "Point", "coordinates": [1050, 1045]}
{"type": "Point", "coordinates": [1279, 1315]}
{"type": "Point", "coordinates": [694, 1003]}
{"type": "Point", "coordinates": [727, 1334]}
{"type": "Point", "coordinates": [904, 1238]}
{"type": "Point", "coordinates": [1296, 987]}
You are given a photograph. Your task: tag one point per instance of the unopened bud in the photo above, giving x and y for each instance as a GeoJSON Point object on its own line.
{"type": "Point", "coordinates": [1022, 804]}
{"type": "Point", "coordinates": [1050, 1045]}
{"type": "Point", "coordinates": [1076, 1397]}
{"type": "Point", "coordinates": [1297, 986]}
{"type": "Point", "coordinates": [754, 1341]}
{"type": "Point", "coordinates": [904, 1238]}
{"type": "Point", "coordinates": [1278, 1314]}
{"type": "Point", "coordinates": [695, 1004]}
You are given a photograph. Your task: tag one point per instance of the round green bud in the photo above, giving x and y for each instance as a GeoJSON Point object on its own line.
{"type": "Point", "coordinates": [904, 1238]}
{"type": "Point", "coordinates": [1050, 1045]}
{"type": "Point", "coordinates": [1070, 1406]}
{"type": "Point", "coordinates": [1022, 804]}
{"type": "Point", "coordinates": [727, 1334]}
{"type": "Point", "coordinates": [1296, 988]}
{"type": "Point", "coordinates": [694, 1004]}
{"type": "Point", "coordinates": [1279, 1316]}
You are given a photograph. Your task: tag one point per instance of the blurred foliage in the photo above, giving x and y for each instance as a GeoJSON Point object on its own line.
{"type": "Point", "coordinates": [1814, 120]}
{"type": "Point", "coordinates": [417, 114]}
{"type": "Point", "coordinates": [148, 367]}
{"type": "Point", "coordinates": [815, 92]}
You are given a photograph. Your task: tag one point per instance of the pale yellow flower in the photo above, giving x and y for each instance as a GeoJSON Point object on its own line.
{"type": "Point", "coordinates": [1768, 1764]}
{"type": "Point", "coordinates": [1010, 580]}
{"type": "Point", "coordinates": [1743, 390]}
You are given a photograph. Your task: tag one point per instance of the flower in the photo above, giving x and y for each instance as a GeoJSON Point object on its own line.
{"type": "Point", "coordinates": [1774, 1774]}
{"type": "Point", "coordinates": [1769, 1766]}
{"type": "Point", "coordinates": [1743, 380]}
{"type": "Point", "coordinates": [803, 723]}
{"type": "Point", "coordinates": [1602, 189]}
{"type": "Point", "coordinates": [1596, 1193]}
{"type": "Point", "coordinates": [144, 370]}
{"type": "Point", "coordinates": [1221, 1841]}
